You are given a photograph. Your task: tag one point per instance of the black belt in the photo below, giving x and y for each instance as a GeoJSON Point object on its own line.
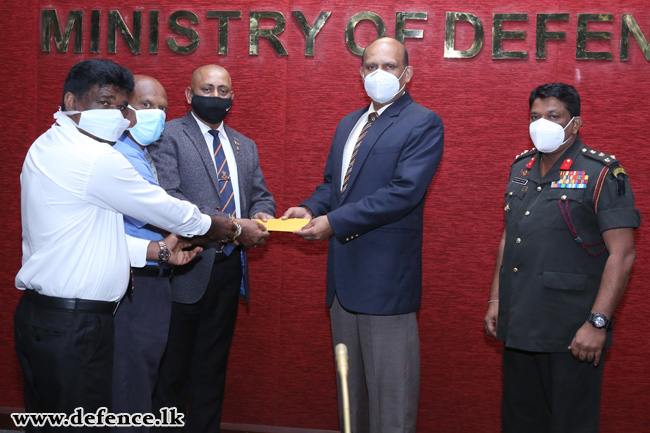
{"type": "Point", "coordinates": [70, 304]}
{"type": "Point", "coordinates": [153, 271]}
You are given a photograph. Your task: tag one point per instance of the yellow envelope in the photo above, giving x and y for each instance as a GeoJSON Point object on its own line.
{"type": "Point", "coordinates": [288, 225]}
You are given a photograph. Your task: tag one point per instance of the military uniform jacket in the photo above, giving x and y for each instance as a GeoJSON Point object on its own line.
{"type": "Point", "coordinates": [554, 254]}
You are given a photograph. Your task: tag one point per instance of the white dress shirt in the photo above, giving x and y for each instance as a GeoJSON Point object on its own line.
{"type": "Point", "coordinates": [354, 136]}
{"type": "Point", "coordinates": [74, 191]}
{"type": "Point", "coordinates": [230, 157]}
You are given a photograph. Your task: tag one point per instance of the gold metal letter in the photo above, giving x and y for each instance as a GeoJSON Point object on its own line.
{"type": "Point", "coordinates": [191, 34]}
{"type": "Point", "coordinates": [629, 25]}
{"type": "Point", "coordinates": [115, 21]}
{"type": "Point", "coordinates": [584, 34]}
{"type": "Point", "coordinates": [400, 23]}
{"type": "Point", "coordinates": [310, 32]}
{"type": "Point", "coordinates": [352, 24]}
{"type": "Point", "coordinates": [450, 35]}
{"type": "Point", "coordinates": [94, 30]}
{"type": "Point", "coordinates": [223, 17]}
{"type": "Point", "coordinates": [50, 27]}
{"type": "Point", "coordinates": [543, 35]}
{"type": "Point", "coordinates": [154, 21]}
{"type": "Point", "coordinates": [269, 34]}
{"type": "Point", "coordinates": [498, 35]}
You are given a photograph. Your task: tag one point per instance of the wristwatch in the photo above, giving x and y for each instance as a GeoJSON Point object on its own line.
{"type": "Point", "coordinates": [163, 255]}
{"type": "Point", "coordinates": [598, 320]}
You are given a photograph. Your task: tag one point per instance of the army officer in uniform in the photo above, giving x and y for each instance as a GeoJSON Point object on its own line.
{"type": "Point", "coordinates": [562, 267]}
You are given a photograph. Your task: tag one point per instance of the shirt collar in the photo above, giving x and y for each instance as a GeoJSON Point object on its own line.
{"type": "Point", "coordinates": [131, 143]}
{"type": "Point", "coordinates": [381, 110]}
{"type": "Point", "coordinates": [205, 128]}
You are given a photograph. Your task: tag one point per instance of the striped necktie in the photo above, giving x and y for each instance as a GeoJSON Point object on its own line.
{"type": "Point", "coordinates": [225, 186]}
{"type": "Point", "coordinates": [371, 119]}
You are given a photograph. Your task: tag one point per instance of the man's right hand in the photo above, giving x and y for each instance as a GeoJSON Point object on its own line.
{"type": "Point", "coordinates": [490, 319]}
{"type": "Point", "coordinates": [221, 230]}
{"type": "Point", "coordinates": [253, 233]}
{"type": "Point", "coordinates": [297, 212]}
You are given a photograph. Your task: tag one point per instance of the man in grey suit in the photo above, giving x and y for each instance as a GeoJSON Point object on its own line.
{"type": "Point", "coordinates": [201, 160]}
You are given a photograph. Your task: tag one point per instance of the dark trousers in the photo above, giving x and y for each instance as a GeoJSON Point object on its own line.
{"type": "Point", "coordinates": [141, 329]}
{"type": "Point", "coordinates": [193, 369]}
{"type": "Point", "coordinates": [66, 358]}
{"type": "Point", "coordinates": [550, 393]}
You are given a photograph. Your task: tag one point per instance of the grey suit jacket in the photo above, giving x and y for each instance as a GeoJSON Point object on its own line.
{"type": "Point", "coordinates": [186, 171]}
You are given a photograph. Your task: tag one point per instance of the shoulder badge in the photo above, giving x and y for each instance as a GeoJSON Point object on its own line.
{"type": "Point", "coordinates": [603, 157]}
{"type": "Point", "coordinates": [524, 153]}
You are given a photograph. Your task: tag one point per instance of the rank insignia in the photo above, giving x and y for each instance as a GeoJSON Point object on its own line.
{"type": "Point", "coordinates": [524, 172]}
{"type": "Point", "coordinates": [571, 179]}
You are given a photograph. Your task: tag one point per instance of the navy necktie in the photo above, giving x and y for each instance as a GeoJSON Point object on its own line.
{"type": "Point", "coordinates": [225, 185]}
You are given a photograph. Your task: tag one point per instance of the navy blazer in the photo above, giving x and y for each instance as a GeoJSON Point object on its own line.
{"type": "Point", "coordinates": [374, 263]}
{"type": "Point", "coordinates": [186, 171]}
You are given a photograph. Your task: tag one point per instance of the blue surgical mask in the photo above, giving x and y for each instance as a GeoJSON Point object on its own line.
{"type": "Point", "coordinates": [151, 122]}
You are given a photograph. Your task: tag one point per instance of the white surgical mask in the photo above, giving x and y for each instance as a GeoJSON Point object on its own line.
{"type": "Point", "coordinates": [107, 124]}
{"type": "Point", "coordinates": [548, 136]}
{"type": "Point", "coordinates": [382, 86]}
{"type": "Point", "coordinates": [149, 127]}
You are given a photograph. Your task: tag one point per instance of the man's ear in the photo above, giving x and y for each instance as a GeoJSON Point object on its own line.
{"type": "Point", "coordinates": [408, 73]}
{"type": "Point", "coordinates": [577, 123]}
{"type": "Point", "coordinates": [189, 94]}
{"type": "Point", "coordinates": [69, 101]}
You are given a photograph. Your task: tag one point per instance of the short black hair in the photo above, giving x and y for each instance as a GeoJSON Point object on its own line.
{"type": "Point", "coordinates": [406, 54]}
{"type": "Point", "coordinates": [564, 92]}
{"type": "Point", "coordinates": [87, 73]}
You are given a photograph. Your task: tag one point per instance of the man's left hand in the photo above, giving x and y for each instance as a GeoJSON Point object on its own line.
{"type": "Point", "coordinates": [175, 247]}
{"type": "Point", "coordinates": [316, 230]}
{"type": "Point", "coordinates": [587, 345]}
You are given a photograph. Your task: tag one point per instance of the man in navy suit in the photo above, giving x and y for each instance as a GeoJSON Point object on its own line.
{"type": "Point", "coordinates": [370, 207]}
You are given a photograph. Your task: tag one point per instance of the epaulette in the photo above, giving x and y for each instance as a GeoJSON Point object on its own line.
{"type": "Point", "coordinates": [603, 157]}
{"type": "Point", "coordinates": [525, 153]}
{"type": "Point", "coordinates": [611, 162]}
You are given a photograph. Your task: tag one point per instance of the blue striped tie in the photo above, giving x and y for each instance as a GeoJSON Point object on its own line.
{"type": "Point", "coordinates": [225, 186]}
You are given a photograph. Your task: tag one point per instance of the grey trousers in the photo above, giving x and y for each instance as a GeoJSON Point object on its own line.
{"type": "Point", "coordinates": [384, 377]}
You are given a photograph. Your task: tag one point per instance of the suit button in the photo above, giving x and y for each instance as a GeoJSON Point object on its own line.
{"type": "Point", "coordinates": [347, 239]}
{"type": "Point", "coordinates": [563, 197]}
{"type": "Point", "coordinates": [515, 270]}
{"type": "Point", "coordinates": [518, 240]}
{"type": "Point", "coordinates": [527, 213]}
{"type": "Point", "coordinates": [539, 188]}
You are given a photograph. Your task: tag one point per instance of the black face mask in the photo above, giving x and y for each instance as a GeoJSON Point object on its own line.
{"type": "Point", "coordinates": [211, 109]}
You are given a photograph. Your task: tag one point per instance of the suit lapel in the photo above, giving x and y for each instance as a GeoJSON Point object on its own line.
{"type": "Point", "coordinates": [383, 122]}
{"type": "Point", "coordinates": [194, 134]}
{"type": "Point", "coordinates": [339, 146]}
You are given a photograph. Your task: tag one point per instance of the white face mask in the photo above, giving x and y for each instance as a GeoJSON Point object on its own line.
{"type": "Point", "coordinates": [149, 127]}
{"type": "Point", "coordinates": [106, 124]}
{"type": "Point", "coordinates": [382, 86]}
{"type": "Point", "coordinates": [547, 136]}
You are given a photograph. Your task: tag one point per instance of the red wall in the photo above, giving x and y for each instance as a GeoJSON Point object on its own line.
{"type": "Point", "coordinates": [282, 370]}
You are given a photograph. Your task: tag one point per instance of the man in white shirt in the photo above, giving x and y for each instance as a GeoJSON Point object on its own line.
{"type": "Point", "coordinates": [75, 189]}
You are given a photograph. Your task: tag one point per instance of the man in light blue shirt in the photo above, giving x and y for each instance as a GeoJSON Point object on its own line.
{"type": "Point", "coordinates": [142, 320]}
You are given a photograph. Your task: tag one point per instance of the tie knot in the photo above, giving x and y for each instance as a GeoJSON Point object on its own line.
{"type": "Point", "coordinates": [372, 116]}
{"type": "Point", "coordinates": [214, 133]}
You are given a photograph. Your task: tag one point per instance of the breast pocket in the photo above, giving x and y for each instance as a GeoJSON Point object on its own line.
{"type": "Point", "coordinates": [567, 201]}
{"type": "Point", "coordinates": [514, 196]}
